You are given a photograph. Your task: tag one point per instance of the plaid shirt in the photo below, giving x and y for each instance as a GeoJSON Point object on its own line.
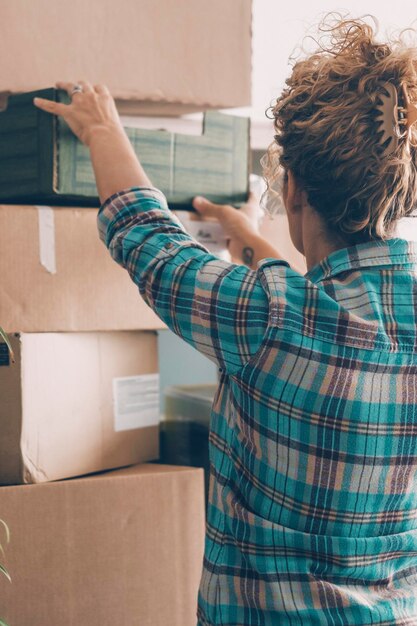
{"type": "Point", "coordinates": [313, 497]}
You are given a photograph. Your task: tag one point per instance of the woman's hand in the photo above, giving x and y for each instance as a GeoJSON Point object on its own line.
{"type": "Point", "coordinates": [93, 117]}
{"type": "Point", "coordinates": [90, 111]}
{"type": "Point", "coordinates": [239, 225]}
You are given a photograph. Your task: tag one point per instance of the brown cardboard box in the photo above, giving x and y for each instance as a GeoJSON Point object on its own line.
{"type": "Point", "coordinates": [117, 549]}
{"type": "Point", "coordinates": [172, 56]}
{"type": "Point", "coordinates": [75, 403]}
{"type": "Point", "coordinates": [56, 275]}
{"type": "Point", "coordinates": [66, 279]}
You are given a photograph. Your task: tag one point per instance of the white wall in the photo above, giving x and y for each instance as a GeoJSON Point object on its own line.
{"type": "Point", "coordinates": [280, 26]}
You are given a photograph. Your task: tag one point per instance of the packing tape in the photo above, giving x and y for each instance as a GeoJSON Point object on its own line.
{"type": "Point", "coordinates": [46, 223]}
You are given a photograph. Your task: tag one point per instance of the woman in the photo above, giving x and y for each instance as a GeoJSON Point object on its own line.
{"type": "Point", "coordinates": [313, 495]}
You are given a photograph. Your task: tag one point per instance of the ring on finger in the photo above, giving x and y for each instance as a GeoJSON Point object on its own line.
{"type": "Point", "coordinates": [76, 89]}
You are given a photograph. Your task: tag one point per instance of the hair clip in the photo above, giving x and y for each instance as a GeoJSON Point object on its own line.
{"type": "Point", "coordinates": [394, 121]}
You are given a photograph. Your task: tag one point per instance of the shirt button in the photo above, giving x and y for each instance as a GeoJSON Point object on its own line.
{"type": "Point", "coordinates": [168, 246]}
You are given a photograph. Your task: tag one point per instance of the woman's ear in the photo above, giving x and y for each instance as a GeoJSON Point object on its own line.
{"type": "Point", "coordinates": [294, 195]}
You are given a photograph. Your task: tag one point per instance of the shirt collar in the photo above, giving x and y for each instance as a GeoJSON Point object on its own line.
{"type": "Point", "coordinates": [391, 252]}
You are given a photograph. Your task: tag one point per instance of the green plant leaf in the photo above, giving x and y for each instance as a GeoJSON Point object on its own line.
{"type": "Point", "coordinates": [4, 571]}
{"type": "Point", "coordinates": [6, 528]}
{"type": "Point", "coordinates": [3, 335]}
{"type": "Point", "coordinates": [3, 623]}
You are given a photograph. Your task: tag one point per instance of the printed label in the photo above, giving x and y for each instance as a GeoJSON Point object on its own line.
{"type": "Point", "coordinates": [47, 238]}
{"type": "Point", "coordinates": [4, 355]}
{"type": "Point", "coordinates": [136, 402]}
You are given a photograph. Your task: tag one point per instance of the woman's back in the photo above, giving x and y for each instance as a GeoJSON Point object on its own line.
{"type": "Point", "coordinates": [312, 514]}
{"type": "Point", "coordinates": [313, 510]}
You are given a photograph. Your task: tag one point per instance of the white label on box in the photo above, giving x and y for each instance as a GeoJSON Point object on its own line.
{"type": "Point", "coordinates": [136, 401]}
{"type": "Point", "coordinates": [47, 238]}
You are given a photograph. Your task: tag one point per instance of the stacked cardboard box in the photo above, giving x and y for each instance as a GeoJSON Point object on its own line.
{"type": "Point", "coordinates": [157, 58]}
{"type": "Point", "coordinates": [123, 547]}
{"type": "Point", "coordinates": [76, 403]}
{"type": "Point", "coordinates": [81, 397]}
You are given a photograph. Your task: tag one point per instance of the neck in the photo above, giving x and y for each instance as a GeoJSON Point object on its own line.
{"type": "Point", "coordinates": [317, 243]}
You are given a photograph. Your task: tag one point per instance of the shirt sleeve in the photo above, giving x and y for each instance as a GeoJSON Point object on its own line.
{"type": "Point", "coordinates": [218, 307]}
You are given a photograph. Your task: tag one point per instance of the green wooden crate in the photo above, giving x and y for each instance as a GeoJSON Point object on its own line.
{"type": "Point", "coordinates": [41, 160]}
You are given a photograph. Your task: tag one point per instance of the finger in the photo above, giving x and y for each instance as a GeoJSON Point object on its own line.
{"type": "Point", "coordinates": [102, 90]}
{"type": "Point", "coordinates": [69, 87]}
{"type": "Point", "coordinates": [66, 86]}
{"type": "Point", "coordinates": [207, 208]}
{"type": "Point", "coordinates": [87, 87]}
{"type": "Point", "coordinates": [195, 216]}
{"type": "Point", "coordinates": [50, 106]}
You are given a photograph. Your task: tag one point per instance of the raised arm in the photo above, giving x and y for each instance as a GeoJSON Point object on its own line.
{"type": "Point", "coordinates": [220, 308]}
{"type": "Point", "coordinates": [93, 117]}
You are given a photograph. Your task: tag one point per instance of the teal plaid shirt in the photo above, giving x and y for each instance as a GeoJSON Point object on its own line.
{"type": "Point", "coordinates": [313, 495]}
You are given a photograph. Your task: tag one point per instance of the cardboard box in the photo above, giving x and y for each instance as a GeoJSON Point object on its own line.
{"type": "Point", "coordinates": [41, 160]}
{"type": "Point", "coordinates": [123, 548]}
{"type": "Point", "coordinates": [75, 403]}
{"type": "Point", "coordinates": [171, 56]}
{"type": "Point", "coordinates": [56, 275]}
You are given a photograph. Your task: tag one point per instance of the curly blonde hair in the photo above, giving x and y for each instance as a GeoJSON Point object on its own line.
{"type": "Point", "coordinates": [328, 136]}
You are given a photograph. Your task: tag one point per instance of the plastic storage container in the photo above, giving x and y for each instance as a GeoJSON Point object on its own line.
{"type": "Point", "coordinates": [185, 429]}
